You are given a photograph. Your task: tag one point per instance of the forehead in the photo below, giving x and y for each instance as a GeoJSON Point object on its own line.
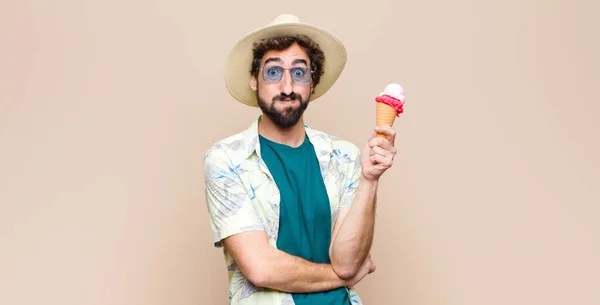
{"type": "Point", "coordinates": [292, 55]}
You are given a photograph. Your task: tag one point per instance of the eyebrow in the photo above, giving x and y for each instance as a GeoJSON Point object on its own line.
{"type": "Point", "coordinates": [274, 59]}
{"type": "Point", "coordinates": [299, 61]}
{"type": "Point", "coordinates": [278, 60]}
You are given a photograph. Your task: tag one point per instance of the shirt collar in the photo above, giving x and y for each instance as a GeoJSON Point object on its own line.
{"type": "Point", "coordinates": [320, 141]}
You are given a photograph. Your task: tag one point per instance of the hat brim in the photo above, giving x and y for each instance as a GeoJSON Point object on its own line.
{"type": "Point", "coordinates": [239, 61]}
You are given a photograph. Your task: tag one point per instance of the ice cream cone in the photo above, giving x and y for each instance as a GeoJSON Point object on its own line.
{"type": "Point", "coordinates": [385, 115]}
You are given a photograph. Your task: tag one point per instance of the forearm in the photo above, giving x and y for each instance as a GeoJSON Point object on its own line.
{"type": "Point", "coordinates": [285, 272]}
{"type": "Point", "coordinates": [352, 241]}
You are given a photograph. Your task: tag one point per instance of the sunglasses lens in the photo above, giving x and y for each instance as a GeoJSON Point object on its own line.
{"type": "Point", "coordinates": [272, 74]}
{"type": "Point", "coordinates": [300, 75]}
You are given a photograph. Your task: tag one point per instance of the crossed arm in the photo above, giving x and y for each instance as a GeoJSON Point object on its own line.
{"type": "Point", "coordinates": [265, 266]}
{"type": "Point", "coordinates": [232, 213]}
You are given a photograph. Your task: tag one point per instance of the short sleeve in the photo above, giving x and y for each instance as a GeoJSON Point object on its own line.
{"type": "Point", "coordinates": [230, 209]}
{"type": "Point", "coordinates": [351, 178]}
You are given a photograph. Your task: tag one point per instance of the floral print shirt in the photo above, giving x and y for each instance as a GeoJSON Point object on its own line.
{"type": "Point", "coordinates": [241, 196]}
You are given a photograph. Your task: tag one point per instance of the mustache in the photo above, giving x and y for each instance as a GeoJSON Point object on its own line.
{"type": "Point", "coordinates": [282, 96]}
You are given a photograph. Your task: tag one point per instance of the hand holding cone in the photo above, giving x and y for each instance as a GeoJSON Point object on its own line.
{"type": "Point", "coordinates": [389, 105]}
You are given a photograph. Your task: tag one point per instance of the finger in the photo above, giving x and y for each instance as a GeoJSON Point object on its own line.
{"type": "Point", "coordinates": [389, 146]}
{"type": "Point", "coordinates": [381, 160]}
{"type": "Point", "coordinates": [383, 143]}
{"type": "Point", "coordinates": [390, 134]}
{"type": "Point", "coordinates": [376, 150]}
{"type": "Point", "coordinates": [385, 153]}
{"type": "Point", "coordinates": [377, 142]}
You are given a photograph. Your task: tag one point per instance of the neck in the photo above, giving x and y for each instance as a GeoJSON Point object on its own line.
{"type": "Point", "coordinates": [292, 136]}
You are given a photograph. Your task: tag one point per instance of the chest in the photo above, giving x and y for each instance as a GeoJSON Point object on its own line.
{"type": "Point", "coordinates": [265, 193]}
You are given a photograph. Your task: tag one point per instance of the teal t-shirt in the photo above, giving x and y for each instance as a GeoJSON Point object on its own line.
{"type": "Point", "coordinates": [305, 213]}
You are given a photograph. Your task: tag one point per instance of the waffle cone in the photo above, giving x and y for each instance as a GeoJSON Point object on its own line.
{"type": "Point", "coordinates": [385, 115]}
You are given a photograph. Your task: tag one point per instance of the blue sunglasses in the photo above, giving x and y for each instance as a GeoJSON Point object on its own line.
{"type": "Point", "coordinates": [273, 74]}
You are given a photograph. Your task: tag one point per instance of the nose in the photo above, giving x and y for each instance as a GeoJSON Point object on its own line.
{"type": "Point", "coordinates": [286, 83]}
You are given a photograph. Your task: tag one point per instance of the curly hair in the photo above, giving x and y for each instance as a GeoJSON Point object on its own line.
{"type": "Point", "coordinates": [312, 49]}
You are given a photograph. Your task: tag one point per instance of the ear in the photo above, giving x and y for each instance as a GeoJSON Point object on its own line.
{"type": "Point", "coordinates": [253, 83]}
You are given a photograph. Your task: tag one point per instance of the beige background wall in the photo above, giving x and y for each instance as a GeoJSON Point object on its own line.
{"type": "Point", "coordinates": [107, 107]}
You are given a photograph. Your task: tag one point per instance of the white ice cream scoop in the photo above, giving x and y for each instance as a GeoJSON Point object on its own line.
{"type": "Point", "coordinates": [394, 90]}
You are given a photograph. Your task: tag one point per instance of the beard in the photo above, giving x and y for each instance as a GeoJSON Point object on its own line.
{"type": "Point", "coordinates": [290, 116]}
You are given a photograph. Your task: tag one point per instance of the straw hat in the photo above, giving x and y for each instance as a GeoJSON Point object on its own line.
{"type": "Point", "coordinates": [239, 61]}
